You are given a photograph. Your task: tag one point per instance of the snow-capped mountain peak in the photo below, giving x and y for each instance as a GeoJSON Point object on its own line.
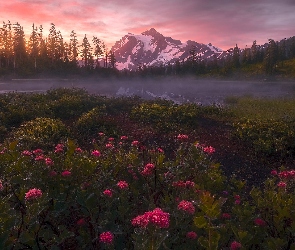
{"type": "Point", "coordinates": [151, 48]}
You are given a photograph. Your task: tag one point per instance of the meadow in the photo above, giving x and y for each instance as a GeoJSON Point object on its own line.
{"type": "Point", "coordinates": [83, 171]}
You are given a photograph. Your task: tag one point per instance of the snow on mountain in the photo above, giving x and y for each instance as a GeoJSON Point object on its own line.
{"type": "Point", "coordinates": [151, 48]}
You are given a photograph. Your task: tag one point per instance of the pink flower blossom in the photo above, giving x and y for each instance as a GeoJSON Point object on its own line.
{"type": "Point", "coordinates": [237, 197]}
{"type": "Point", "coordinates": [26, 153]}
{"type": "Point", "coordinates": [48, 161]}
{"type": "Point", "coordinates": [38, 151]}
{"type": "Point", "coordinates": [122, 184]}
{"type": "Point", "coordinates": [135, 143]}
{"type": "Point", "coordinates": [124, 137]}
{"type": "Point", "coordinates": [184, 184]}
{"type": "Point", "coordinates": [111, 139]}
{"type": "Point", "coordinates": [259, 222]}
{"type": "Point", "coordinates": [186, 206]}
{"type": "Point", "coordinates": [78, 150]}
{"type": "Point", "coordinates": [108, 192]}
{"type": "Point", "coordinates": [274, 172]}
{"type": "Point", "coordinates": [160, 150]}
{"type": "Point", "coordinates": [235, 245]}
{"type": "Point", "coordinates": [209, 150]}
{"type": "Point", "coordinates": [225, 216]}
{"type": "Point", "coordinates": [287, 174]}
{"type": "Point", "coordinates": [148, 169]}
{"type": "Point", "coordinates": [101, 134]}
{"type": "Point", "coordinates": [182, 137]}
{"type": "Point", "coordinates": [109, 145]}
{"type": "Point", "coordinates": [191, 235]}
{"type": "Point", "coordinates": [96, 153]}
{"type": "Point", "coordinates": [1, 186]}
{"type": "Point", "coordinates": [156, 217]}
{"type": "Point", "coordinates": [66, 173]}
{"type": "Point", "coordinates": [33, 194]}
{"type": "Point", "coordinates": [282, 184]}
{"type": "Point", "coordinates": [81, 222]}
{"type": "Point", "coordinates": [237, 202]}
{"type": "Point", "coordinates": [52, 173]}
{"type": "Point", "coordinates": [39, 158]}
{"type": "Point", "coordinates": [59, 148]}
{"type": "Point", "coordinates": [106, 237]}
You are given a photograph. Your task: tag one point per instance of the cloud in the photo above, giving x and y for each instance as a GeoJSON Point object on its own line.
{"type": "Point", "coordinates": [223, 23]}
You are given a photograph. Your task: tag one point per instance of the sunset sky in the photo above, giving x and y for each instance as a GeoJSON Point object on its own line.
{"type": "Point", "coordinates": [221, 22]}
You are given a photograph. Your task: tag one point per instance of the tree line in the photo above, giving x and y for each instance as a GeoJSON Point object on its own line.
{"type": "Point", "coordinates": [52, 54]}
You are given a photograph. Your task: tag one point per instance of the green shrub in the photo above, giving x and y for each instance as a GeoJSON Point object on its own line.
{"type": "Point", "coordinates": [40, 132]}
{"type": "Point", "coordinates": [270, 137]}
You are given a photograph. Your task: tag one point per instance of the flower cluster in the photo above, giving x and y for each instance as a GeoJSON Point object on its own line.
{"type": "Point", "coordinates": [182, 137]}
{"type": "Point", "coordinates": [209, 150]}
{"type": "Point", "coordinates": [26, 153]}
{"type": "Point", "coordinates": [48, 161]}
{"type": "Point", "coordinates": [237, 200]}
{"type": "Point", "coordinates": [148, 169]}
{"type": "Point", "coordinates": [191, 235]}
{"type": "Point", "coordinates": [259, 222]}
{"type": "Point", "coordinates": [96, 153]}
{"type": "Point", "coordinates": [235, 245]}
{"type": "Point", "coordinates": [1, 186]}
{"type": "Point", "coordinates": [106, 237]}
{"type": "Point", "coordinates": [156, 217]}
{"type": "Point", "coordinates": [186, 206]}
{"type": "Point", "coordinates": [59, 148]}
{"type": "Point", "coordinates": [225, 216]}
{"type": "Point", "coordinates": [287, 174]}
{"type": "Point", "coordinates": [66, 173]}
{"type": "Point", "coordinates": [108, 192]}
{"type": "Point", "coordinates": [33, 193]}
{"type": "Point", "coordinates": [183, 184]}
{"type": "Point", "coordinates": [122, 184]}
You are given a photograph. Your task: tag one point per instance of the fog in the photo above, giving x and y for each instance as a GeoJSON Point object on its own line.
{"type": "Point", "coordinates": [176, 89]}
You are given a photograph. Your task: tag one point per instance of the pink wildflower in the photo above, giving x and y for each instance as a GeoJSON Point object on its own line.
{"type": "Point", "coordinates": [111, 139]}
{"type": "Point", "coordinates": [96, 153]}
{"type": "Point", "coordinates": [81, 222]}
{"type": "Point", "coordinates": [226, 216]}
{"type": "Point", "coordinates": [78, 150]}
{"type": "Point", "coordinates": [237, 197]}
{"type": "Point", "coordinates": [1, 186]}
{"type": "Point", "coordinates": [235, 245]}
{"type": "Point", "coordinates": [191, 235]}
{"type": "Point", "coordinates": [38, 151]}
{"type": "Point", "coordinates": [108, 192]}
{"type": "Point", "coordinates": [48, 161]}
{"type": "Point", "coordinates": [148, 169]}
{"type": "Point", "coordinates": [101, 134]}
{"type": "Point", "coordinates": [160, 150]}
{"type": "Point", "coordinates": [39, 158]}
{"type": "Point", "coordinates": [33, 194]}
{"type": "Point", "coordinates": [209, 150]}
{"type": "Point", "coordinates": [135, 143]}
{"type": "Point", "coordinates": [124, 137]}
{"type": "Point", "coordinates": [156, 217]}
{"type": "Point", "coordinates": [237, 202]}
{"type": "Point", "coordinates": [59, 148]}
{"type": "Point", "coordinates": [106, 237]}
{"type": "Point", "coordinates": [66, 173]}
{"type": "Point", "coordinates": [282, 184]}
{"type": "Point", "coordinates": [52, 173]}
{"type": "Point", "coordinates": [109, 145]}
{"type": "Point", "coordinates": [259, 222]}
{"type": "Point", "coordinates": [26, 153]}
{"type": "Point", "coordinates": [186, 206]}
{"type": "Point", "coordinates": [274, 172]}
{"type": "Point", "coordinates": [182, 137]}
{"type": "Point", "coordinates": [122, 184]}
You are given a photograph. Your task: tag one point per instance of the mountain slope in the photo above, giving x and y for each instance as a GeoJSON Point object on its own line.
{"type": "Point", "coordinates": [151, 48]}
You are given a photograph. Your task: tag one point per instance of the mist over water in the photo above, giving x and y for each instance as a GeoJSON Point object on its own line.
{"type": "Point", "coordinates": [176, 89]}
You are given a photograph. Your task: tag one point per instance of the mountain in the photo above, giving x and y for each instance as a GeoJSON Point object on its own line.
{"type": "Point", "coordinates": [151, 48]}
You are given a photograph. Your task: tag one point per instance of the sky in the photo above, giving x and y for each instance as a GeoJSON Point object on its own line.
{"type": "Point", "coordinates": [224, 23]}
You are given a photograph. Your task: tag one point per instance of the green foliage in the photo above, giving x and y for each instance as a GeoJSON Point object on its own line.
{"type": "Point", "coordinates": [40, 132]}
{"type": "Point", "coordinates": [268, 137]}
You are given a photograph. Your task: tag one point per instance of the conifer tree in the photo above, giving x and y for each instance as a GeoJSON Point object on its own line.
{"type": "Point", "coordinates": [271, 56]}
{"type": "Point", "coordinates": [73, 47]}
{"type": "Point", "coordinates": [99, 47]}
{"type": "Point", "coordinates": [86, 53]}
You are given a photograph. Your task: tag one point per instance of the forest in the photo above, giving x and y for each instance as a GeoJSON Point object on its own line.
{"type": "Point", "coordinates": [35, 54]}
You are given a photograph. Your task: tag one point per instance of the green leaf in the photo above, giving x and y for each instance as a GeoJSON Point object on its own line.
{"type": "Point", "coordinates": [203, 242]}
{"type": "Point", "coordinates": [200, 221]}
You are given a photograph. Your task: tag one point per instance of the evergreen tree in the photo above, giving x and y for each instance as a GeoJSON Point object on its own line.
{"type": "Point", "coordinates": [19, 46]}
{"type": "Point", "coordinates": [271, 57]}
{"type": "Point", "coordinates": [254, 52]}
{"type": "Point", "coordinates": [236, 57]}
{"type": "Point", "coordinates": [98, 49]}
{"type": "Point", "coordinates": [73, 47]}
{"type": "Point", "coordinates": [86, 53]}
{"type": "Point", "coordinates": [112, 59]}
